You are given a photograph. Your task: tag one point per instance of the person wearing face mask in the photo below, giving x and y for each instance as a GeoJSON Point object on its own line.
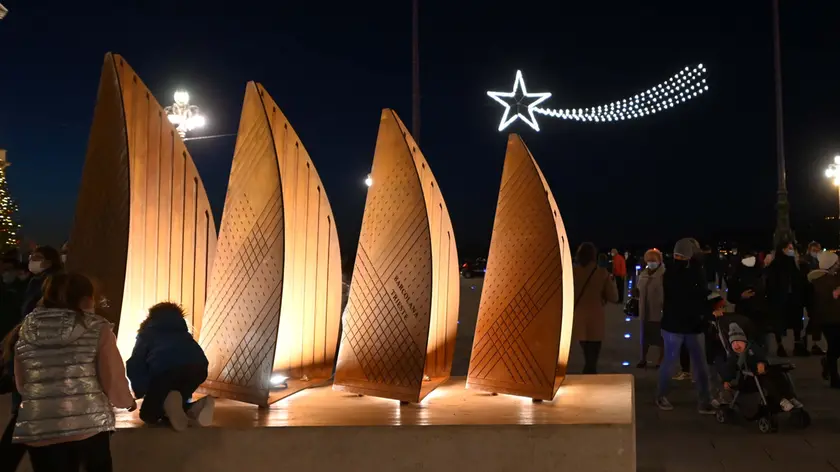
{"type": "Point", "coordinates": [651, 297]}
{"type": "Point", "coordinates": [44, 262]}
{"type": "Point", "coordinates": [823, 303]}
{"type": "Point", "coordinates": [685, 310]}
{"type": "Point", "coordinates": [810, 261]}
{"type": "Point", "coordinates": [786, 298]}
{"type": "Point", "coordinates": [748, 292]}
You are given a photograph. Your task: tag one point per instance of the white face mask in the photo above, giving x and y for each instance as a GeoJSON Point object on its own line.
{"type": "Point", "coordinates": [748, 261]}
{"type": "Point", "coordinates": [35, 267]}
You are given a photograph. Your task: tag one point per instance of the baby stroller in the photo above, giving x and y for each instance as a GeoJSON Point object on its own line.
{"type": "Point", "coordinates": [747, 383]}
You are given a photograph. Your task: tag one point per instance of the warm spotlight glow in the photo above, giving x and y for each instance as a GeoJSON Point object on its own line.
{"type": "Point", "coordinates": [277, 380]}
{"type": "Point", "coordinates": [368, 180]}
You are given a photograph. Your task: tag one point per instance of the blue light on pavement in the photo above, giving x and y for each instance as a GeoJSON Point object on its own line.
{"type": "Point", "coordinates": [627, 319]}
{"type": "Point", "coordinates": [626, 335]}
{"type": "Point", "coordinates": [625, 363]}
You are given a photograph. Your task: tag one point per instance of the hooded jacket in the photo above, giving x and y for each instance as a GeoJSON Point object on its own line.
{"type": "Point", "coordinates": [163, 343]}
{"type": "Point", "coordinates": [68, 373]}
{"type": "Point", "coordinates": [823, 308]}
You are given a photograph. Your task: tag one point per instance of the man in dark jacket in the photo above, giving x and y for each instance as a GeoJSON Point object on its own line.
{"type": "Point", "coordinates": [809, 261]}
{"type": "Point", "coordinates": [748, 292]}
{"type": "Point", "coordinates": [685, 312]}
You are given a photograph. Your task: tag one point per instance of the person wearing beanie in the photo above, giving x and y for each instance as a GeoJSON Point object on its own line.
{"type": "Point", "coordinates": [823, 302]}
{"type": "Point", "coordinates": [749, 356]}
{"type": "Point", "coordinates": [786, 287]}
{"type": "Point", "coordinates": [685, 311]}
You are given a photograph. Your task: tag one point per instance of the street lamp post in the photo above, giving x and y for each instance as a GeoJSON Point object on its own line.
{"type": "Point", "coordinates": [783, 229]}
{"type": "Point", "coordinates": [833, 172]}
{"type": "Point", "coordinates": [184, 116]}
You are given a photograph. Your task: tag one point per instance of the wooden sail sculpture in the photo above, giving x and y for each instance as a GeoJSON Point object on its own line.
{"type": "Point", "coordinates": [399, 326]}
{"type": "Point", "coordinates": [273, 313]}
{"type": "Point", "coordinates": [143, 228]}
{"type": "Point", "coordinates": [524, 327]}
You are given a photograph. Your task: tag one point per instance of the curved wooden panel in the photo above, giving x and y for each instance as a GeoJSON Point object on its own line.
{"type": "Point", "coordinates": [275, 295]}
{"type": "Point", "coordinates": [143, 227]}
{"type": "Point", "coordinates": [523, 334]}
{"type": "Point", "coordinates": [399, 328]}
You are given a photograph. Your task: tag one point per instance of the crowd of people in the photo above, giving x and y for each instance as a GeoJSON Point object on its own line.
{"type": "Point", "coordinates": [707, 313]}
{"type": "Point", "coordinates": [61, 364]}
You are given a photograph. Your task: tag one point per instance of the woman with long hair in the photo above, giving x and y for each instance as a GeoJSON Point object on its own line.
{"type": "Point", "coordinates": [66, 416]}
{"type": "Point", "coordinates": [594, 288]}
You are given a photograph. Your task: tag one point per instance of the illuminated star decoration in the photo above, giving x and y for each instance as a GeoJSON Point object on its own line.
{"type": "Point", "coordinates": [684, 85]}
{"type": "Point", "coordinates": [519, 83]}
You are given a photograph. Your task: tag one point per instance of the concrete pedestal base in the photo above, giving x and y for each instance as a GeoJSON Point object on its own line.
{"type": "Point", "coordinates": [590, 425]}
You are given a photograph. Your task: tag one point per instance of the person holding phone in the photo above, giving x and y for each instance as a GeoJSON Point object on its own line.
{"type": "Point", "coordinates": [747, 291]}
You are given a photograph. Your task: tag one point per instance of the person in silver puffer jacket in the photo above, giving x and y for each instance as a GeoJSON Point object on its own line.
{"type": "Point", "coordinates": [70, 375]}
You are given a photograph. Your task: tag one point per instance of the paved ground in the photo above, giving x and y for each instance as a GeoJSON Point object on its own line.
{"type": "Point", "coordinates": [682, 440]}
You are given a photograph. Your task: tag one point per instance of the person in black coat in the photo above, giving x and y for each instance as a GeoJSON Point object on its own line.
{"type": "Point", "coordinates": [685, 314]}
{"type": "Point", "coordinates": [786, 297]}
{"type": "Point", "coordinates": [44, 262]}
{"type": "Point", "coordinates": [748, 292]}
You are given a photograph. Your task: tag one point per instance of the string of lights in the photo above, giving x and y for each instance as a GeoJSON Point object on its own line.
{"type": "Point", "coordinates": [682, 86]}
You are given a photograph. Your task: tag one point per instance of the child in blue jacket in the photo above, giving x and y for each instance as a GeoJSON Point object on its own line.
{"type": "Point", "coordinates": [749, 356]}
{"type": "Point", "coordinates": [165, 369]}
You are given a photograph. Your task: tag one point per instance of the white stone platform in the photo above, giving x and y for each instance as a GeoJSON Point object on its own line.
{"type": "Point", "coordinates": [589, 426]}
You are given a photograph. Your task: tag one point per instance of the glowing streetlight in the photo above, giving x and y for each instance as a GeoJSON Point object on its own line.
{"type": "Point", "coordinates": [184, 116]}
{"type": "Point", "coordinates": [369, 180]}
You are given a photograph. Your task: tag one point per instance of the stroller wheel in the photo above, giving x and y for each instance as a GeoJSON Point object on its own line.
{"type": "Point", "coordinates": [801, 418]}
{"type": "Point", "coordinates": [767, 424]}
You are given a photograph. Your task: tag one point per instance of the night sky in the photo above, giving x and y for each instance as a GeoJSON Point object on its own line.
{"type": "Point", "coordinates": [704, 169]}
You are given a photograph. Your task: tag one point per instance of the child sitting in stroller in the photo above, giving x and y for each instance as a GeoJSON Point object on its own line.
{"type": "Point", "coordinates": [749, 359]}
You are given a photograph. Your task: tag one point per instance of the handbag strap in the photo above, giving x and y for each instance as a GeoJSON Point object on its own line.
{"type": "Point", "coordinates": [585, 284]}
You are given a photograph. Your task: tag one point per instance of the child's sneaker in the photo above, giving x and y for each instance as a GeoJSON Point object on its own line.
{"type": "Point", "coordinates": [201, 412]}
{"type": "Point", "coordinates": [786, 405]}
{"type": "Point", "coordinates": [173, 406]}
